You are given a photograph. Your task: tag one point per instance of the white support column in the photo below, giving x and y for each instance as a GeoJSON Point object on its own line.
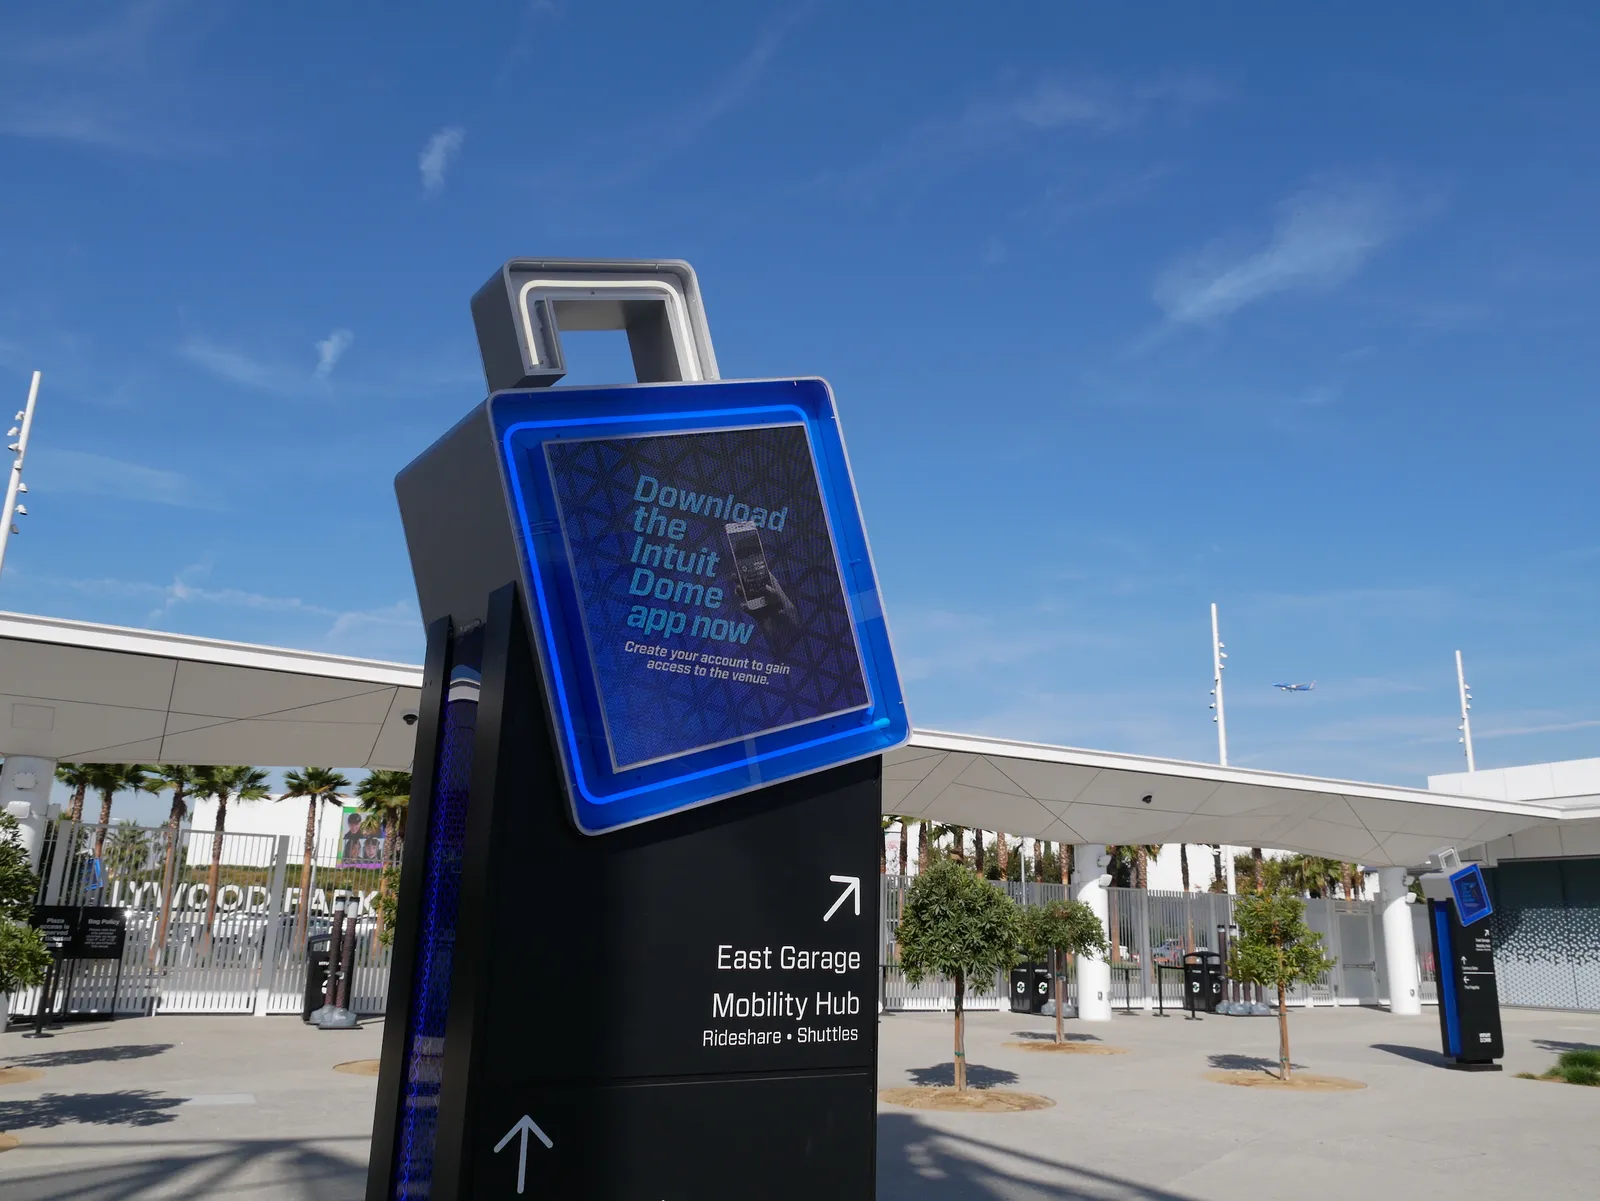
{"type": "Point", "coordinates": [1399, 942]}
{"type": "Point", "coordinates": [1093, 973]}
{"type": "Point", "coordinates": [25, 783]}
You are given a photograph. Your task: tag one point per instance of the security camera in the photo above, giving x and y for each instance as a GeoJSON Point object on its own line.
{"type": "Point", "coordinates": [409, 718]}
{"type": "Point", "coordinates": [1147, 798]}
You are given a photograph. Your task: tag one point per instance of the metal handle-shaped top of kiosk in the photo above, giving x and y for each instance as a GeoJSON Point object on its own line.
{"type": "Point", "coordinates": [520, 312]}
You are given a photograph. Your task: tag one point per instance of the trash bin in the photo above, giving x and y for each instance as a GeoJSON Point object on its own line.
{"type": "Point", "coordinates": [1202, 981]}
{"type": "Point", "coordinates": [316, 975]}
{"type": "Point", "coordinates": [1030, 988]}
{"type": "Point", "coordinates": [1043, 988]}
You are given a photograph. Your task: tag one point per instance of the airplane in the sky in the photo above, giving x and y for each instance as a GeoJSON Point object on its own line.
{"type": "Point", "coordinates": [1297, 687]}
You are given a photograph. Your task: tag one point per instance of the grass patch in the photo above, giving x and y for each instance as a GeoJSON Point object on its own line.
{"type": "Point", "coordinates": [1574, 1067]}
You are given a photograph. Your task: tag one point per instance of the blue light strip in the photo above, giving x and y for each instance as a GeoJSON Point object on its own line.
{"type": "Point", "coordinates": [1446, 972]}
{"type": "Point", "coordinates": [441, 898]}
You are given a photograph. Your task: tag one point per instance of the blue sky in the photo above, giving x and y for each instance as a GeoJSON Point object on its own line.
{"type": "Point", "coordinates": [1125, 315]}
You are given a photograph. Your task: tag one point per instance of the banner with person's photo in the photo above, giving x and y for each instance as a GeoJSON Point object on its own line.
{"type": "Point", "coordinates": [360, 839]}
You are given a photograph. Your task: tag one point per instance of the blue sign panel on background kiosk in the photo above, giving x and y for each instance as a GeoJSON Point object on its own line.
{"type": "Point", "coordinates": [704, 597]}
{"type": "Point", "coordinates": [1471, 895]}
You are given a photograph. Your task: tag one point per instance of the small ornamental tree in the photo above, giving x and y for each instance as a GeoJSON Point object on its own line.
{"type": "Point", "coordinates": [1065, 928]}
{"type": "Point", "coordinates": [23, 954]}
{"type": "Point", "coordinates": [957, 926]}
{"type": "Point", "coordinates": [1276, 949]}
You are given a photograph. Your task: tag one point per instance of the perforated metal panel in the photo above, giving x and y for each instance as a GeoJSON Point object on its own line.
{"type": "Point", "coordinates": [1546, 929]}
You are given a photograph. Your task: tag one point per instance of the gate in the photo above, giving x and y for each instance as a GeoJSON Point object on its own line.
{"type": "Point", "coordinates": [214, 923]}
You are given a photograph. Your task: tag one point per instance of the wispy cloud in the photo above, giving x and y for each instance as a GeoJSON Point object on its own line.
{"type": "Point", "coordinates": [1322, 237]}
{"type": "Point", "coordinates": [114, 84]}
{"type": "Point", "coordinates": [435, 159]}
{"type": "Point", "coordinates": [96, 475]}
{"type": "Point", "coordinates": [1013, 119]}
{"type": "Point", "coordinates": [330, 350]}
{"type": "Point", "coordinates": [279, 378]}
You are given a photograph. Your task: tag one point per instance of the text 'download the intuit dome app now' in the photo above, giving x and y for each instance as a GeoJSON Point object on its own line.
{"type": "Point", "coordinates": [709, 586]}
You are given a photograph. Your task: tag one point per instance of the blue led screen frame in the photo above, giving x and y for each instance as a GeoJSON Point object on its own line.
{"type": "Point", "coordinates": [536, 431]}
{"type": "Point", "coordinates": [1471, 892]}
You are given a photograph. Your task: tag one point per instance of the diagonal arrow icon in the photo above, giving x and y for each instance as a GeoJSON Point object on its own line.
{"type": "Point", "coordinates": [852, 888]}
{"type": "Point", "coordinates": [524, 1126]}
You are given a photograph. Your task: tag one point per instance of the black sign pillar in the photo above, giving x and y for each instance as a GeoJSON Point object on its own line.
{"type": "Point", "coordinates": [682, 1007]}
{"type": "Point", "coordinates": [1463, 952]}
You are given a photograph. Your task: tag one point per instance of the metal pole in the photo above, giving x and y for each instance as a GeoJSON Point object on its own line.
{"type": "Point", "coordinates": [1221, 718]}
{"type": "Point", "coordinates": [1218, 654]}
{"type": "Point", "coordinates": [14, 484]}
{"type": "Point", "coordinates": [1466, 712]}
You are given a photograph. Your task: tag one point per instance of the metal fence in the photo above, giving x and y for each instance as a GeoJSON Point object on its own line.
{"type": "Point", "coordinates": [214, 924]}
{"type": "Point", "coordinates": [1153, 932]}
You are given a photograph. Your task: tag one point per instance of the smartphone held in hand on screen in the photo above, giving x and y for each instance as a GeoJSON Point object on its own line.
{"type": "Point", "coordinates": [750, 561]}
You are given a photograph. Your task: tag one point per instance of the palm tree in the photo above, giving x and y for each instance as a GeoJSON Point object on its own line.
{"type": "Point", "coordinates": [129, 850]}
{"type": "Point", "coordinates": [180, 779]}
{"type": "Point", "coordinates": [884, 823]}
{"type": "Point", "coordinates": [1002, 856]}
{"type": "Point", "coordinates": [1183, 862]}
{"type": "Point", "coordinates": [236, 781]}
{"type": "Point", "coordinates": [76, 776]}
{"type": "Point", "coordinates": [319, 785]}
{"type": "Point", "coordinates": [108, 779]}
{"type": "Point", "coordinates": [905, 847]}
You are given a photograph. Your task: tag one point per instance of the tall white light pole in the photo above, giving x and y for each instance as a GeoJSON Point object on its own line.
{"type": "Point", "coordinates": [1218, 654]}
{"type": "Point", "coordinates": [1466, 713]}
{"type": "Point", "coordinates": [14, 485]}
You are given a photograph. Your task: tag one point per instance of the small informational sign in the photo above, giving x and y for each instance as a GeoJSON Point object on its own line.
{"type": "Point", "coordinates": [57, 925]}
{"type": "Point", "coordinates": [81, 932]}
{"type": "Point", "coordinates": [706, 606]}
{"type": "Point", "coordinates": [102, 933]}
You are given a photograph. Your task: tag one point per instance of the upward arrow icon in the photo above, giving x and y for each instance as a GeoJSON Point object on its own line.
{"type": "Point", "coordinates": [525, 1125]}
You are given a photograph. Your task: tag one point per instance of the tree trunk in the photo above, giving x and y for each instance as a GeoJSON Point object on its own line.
{"type": "Point", "coordinates": [1183, 862]}
{"type": "Point", "coordinates": [169, 877]}
{"type": "Point", "coordinates": [1283, 1033]}
{"type": "Point", "coordinates": [1064, 856]}
{"type": "Point", "coordinates": [1216, 863]}
{"type": "Point", "coordinates": [960, 836]}
{"type": "Point", "coordinates": [214, 873]}
{"type": "Point", "coordinates": [1141, 867]}
{"type": "Point", "coordinates": [961, 1033]}
{"type": "Point", "coordinates": [1056, 972]}
{"type": "Point", "coordinates": [977, 851]}
{"type": "Point", "coordinates": [303, 910]}
{"type": "Point", "coordinates": [105, 820]}
{"type": "Point", "coordinates": [1002, 854]}
{"type": "Point", "coordinates": [905, 846]}
{"type": "Point", "coordinates": [1261, 876]}
{"type": "Point", "coordinates": [75, 813]}
{"type": "Point", "coordinates": [924, 846]}
{"type": "Point", "coordinates": [1347, 878]}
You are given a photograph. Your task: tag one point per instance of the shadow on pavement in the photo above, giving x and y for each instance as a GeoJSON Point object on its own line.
{"type": "Point", "coordinates": [1433, 1059]}
{"type": "Point", "coordinates": [1049, 1036]}
{"type": "Point", "coordinates": [64, 1059]}
{"type": "Point", "coordinates": [133, 1107]}
{"type": "Point", "coordinates": [1555, 1047]}
{"type": "Point", "coordinates": [978, 1076]}
{"type": "Point", "coordinates": [917, 1162]}
{"type": "Point", "coordinates": [265, 1167]}
{"type": "Point", "coordinates": [1250, 1063]}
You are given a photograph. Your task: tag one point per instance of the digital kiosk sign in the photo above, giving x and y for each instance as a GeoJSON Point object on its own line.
{"type": "Point", "coordinates": [704, 598]}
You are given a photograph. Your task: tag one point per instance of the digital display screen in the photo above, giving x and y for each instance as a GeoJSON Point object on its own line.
{"type": "Point", "coordinates": [701, 590]}
{"type": "Point", "coordinates": [709, 587]}
{"type": "Point", "coordinates": [1471, 894]}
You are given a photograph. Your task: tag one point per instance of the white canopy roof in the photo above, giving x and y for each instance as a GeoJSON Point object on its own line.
{"type": "Point", "coordinates": [1067, 795]}
{"type": "Point", "coordinates": [79, 691]}
{"type": "Point", "coordinates": [96, 693]}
